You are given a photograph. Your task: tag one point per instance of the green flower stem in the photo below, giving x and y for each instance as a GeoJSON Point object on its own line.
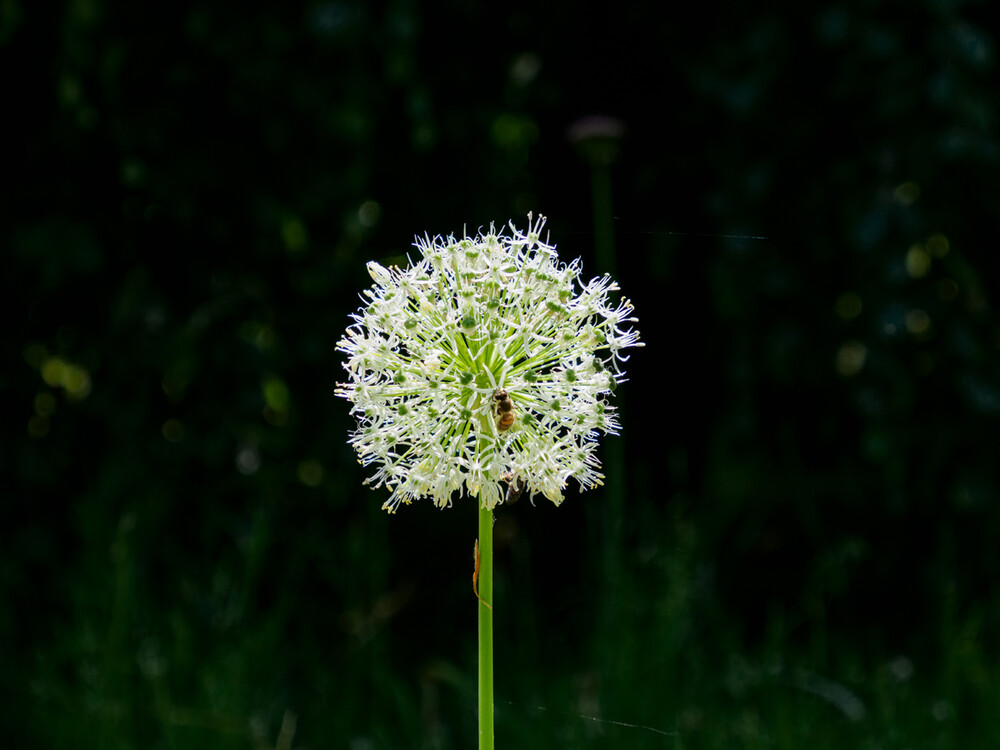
{"type": "Point", "coordinates": [485, 629]}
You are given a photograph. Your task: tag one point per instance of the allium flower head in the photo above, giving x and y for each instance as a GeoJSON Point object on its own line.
{"type": "Point", "coordinates": [485, 363]}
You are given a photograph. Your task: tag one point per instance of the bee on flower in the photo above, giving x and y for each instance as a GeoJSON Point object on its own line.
{"type": "Point", "coordinates": [485, 362]}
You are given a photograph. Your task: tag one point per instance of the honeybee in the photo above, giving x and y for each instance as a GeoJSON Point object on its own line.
{"type": "Point", "coordinates": [503, 409]}
{"type": "Point", "coordinates": [515, 488]}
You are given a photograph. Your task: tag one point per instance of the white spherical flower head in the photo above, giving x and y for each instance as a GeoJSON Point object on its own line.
{"type": "Point", "coordinates": [487, 363]}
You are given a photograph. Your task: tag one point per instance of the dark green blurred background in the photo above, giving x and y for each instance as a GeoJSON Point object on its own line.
{"type": "Point", "coordinates": [799, 543]}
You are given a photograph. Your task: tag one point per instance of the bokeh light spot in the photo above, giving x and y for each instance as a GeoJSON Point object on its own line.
{"type": "Point", "coordinates": [947, 290]}
{"type": "Point", "coordinates": [35, 355]}
{"type": "Point", "coordinates": [76, 381]}
{"type": "Point", "coordinates": [848, 306]}
{"type": "Point", "coordinates": [259, 335]}
{"type": "Point", "coordinates": [132, 172]}
{"type": "Point", "coordinates": [53, 371]}
{"type": "Point", "coordinates": [248, 460]}
{"type": "Point", "coordinates": [906, 193]}
{"type": "Point", "coordinates": [943, 710]}
{"type": "Point", "coordinates": [70, 91]}
{"type": "Point", "coordinates": [938, 245]}
{"type": "Point", "coordinates": [512, 132]}
{"type": "Point", "coordinates": [918, 261]}
{"type": "Point", "coordinates": [311, 473]}
{"type": "Point", "coordinates": [294, 235]}
{"type": "Point", "coordinates": [851, 358]}
{"type": "Point", "coordinates": [173, 431]}
{"type": "Point", "coordinates": [275, 393]}
{"type": "Point", "coordinates": [918, 322]}
{"type": "Point", "coordinates": [72, 378]}
{"type": "Point", "coordinates": [369, 214]}
{"type": "Point", "coordinates": [38, 426]}
{"type": "Point", "coordinates": [277, 400]}
{"type": "Point", "coordinates": [525, 68]}
{"type": "Point", "coordinates": [45, 404]}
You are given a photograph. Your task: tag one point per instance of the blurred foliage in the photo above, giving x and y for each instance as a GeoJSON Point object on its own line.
{"type": "Point", "coordinates": [806, 203]}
